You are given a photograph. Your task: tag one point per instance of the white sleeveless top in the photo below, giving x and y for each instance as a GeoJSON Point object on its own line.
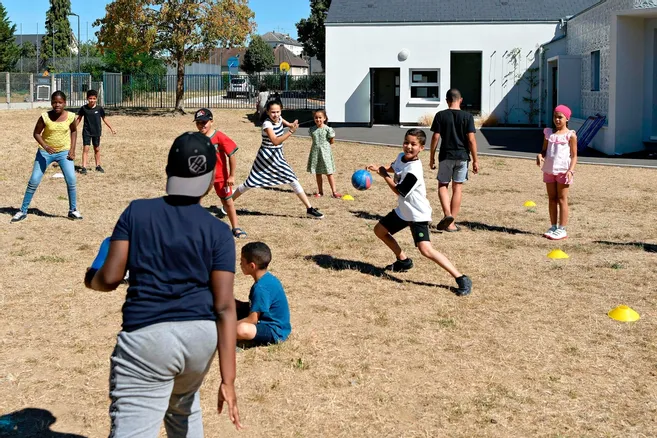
{"type": "Point", "coordinates": [557, 156]}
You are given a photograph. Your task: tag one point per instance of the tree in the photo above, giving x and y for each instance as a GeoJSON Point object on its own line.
{"type": "Point", "coordinates": [184, 30]}
{"type": "Point", "coordinates": [311, 30]}
{"type": "Point", "coordinates": [28, 50]}
{"type": "Point", "coordinates": [259, 56]}
{"type": "Point", "coordinates": [58, 28]}
{"type": "Point", "coordinates": [10, 52]}
{"type": "Point", "coordinates": [89, 49]}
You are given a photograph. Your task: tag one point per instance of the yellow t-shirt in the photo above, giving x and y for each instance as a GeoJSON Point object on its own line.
{"type": "Point", "coordinates": [57, 134]}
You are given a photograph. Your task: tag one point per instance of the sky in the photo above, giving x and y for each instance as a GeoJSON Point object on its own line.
{"type": "Point", "coordinates": [269, 15]}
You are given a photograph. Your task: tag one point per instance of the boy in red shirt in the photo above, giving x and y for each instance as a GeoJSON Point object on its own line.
{"type": "Point", "coordinates": [224, 179]}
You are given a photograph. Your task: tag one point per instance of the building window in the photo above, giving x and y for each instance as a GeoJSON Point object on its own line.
{"type": "Point", "coordinates": [595, 71]}
{"type": "Point", "coordinates": [425, 84]}
{"type": "Point", "coordinates": [276, 70]}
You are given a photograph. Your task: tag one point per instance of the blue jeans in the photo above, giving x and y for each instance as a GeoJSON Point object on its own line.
{"type": "Point", "coordinates": [41, 162]}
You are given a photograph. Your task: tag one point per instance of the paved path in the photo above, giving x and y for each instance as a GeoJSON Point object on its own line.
{"type": "Point", "coordinates": [517, 143]}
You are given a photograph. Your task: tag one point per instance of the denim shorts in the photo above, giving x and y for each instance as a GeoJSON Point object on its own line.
{"type": "Point", "coordinates": [453, 171]}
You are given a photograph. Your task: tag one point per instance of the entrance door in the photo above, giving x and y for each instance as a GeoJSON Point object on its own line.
{"type": "Point", "coordinates": [465, 76]}
{"type": "Point", "coordinates": [384, 96]}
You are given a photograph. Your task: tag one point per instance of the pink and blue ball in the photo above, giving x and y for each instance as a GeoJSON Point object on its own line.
{"type": "Point", "coordinates": [361, 179]}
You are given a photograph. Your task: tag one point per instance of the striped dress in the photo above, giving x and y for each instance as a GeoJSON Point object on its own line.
{"type": "Point", "coordinates": [270, 168]}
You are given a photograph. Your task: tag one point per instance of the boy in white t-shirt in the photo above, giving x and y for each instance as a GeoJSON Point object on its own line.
{"type": "Point", "coordinates": [413, 211]}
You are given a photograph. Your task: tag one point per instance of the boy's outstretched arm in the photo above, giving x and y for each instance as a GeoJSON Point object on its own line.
{"type": "Point", "coordinates": [232, 164]}
{"type": "Point", "coordinates": [473, 150]}
{"type": "Point", "coordinates": [434, 145]}
{"type": "Point", "coordinates": [383, 172]}
{"type": "Point", "coordinates": [224, 307]}
{"type": "Point", "coordinates": [111, 274]}
{"type": "Point", "coordinates": [108, 125]}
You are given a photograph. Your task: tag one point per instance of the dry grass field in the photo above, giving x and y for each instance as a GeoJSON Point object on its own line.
{"type": "Point", "coordinates": [530, 353]}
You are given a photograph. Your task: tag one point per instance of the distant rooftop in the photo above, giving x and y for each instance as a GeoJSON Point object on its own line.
{"type": "Point", "coordinates": [281, 38]}
{"type": "Point", "coordinates": [446, 11]}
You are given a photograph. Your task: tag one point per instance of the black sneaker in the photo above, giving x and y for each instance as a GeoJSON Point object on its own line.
{"type": "Point", "coordinates": [19, 217]}
{"type": "Point", "coordinates": [314, 213]}
{"type": "Point", "coordinates": [400, 265]}
{"type": "Point", "coordinates": [465, 286]}
{"type": "Point", "coordinates": [100, 169]}
{"type": "Point", "coordinates": [83, 171]}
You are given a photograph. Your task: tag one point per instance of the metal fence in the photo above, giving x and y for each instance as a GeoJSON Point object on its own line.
{"type": "Point", "coordinates": [138, 91]}
{"type": "Point", "coordinates": [212, 90]}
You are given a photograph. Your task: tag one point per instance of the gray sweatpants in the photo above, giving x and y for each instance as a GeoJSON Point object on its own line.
{"type": "Point", "coordinates": [155, 375]}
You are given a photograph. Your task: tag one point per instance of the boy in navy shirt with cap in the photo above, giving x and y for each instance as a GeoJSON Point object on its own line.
{"type": "Point", "coordinates": [179, 308]}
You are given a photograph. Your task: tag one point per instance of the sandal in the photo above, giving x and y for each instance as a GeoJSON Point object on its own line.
{"type": "Point", "coordinates": [239, 233]}
{"type": "Point", "coordinates": [337, 195]}
{"type": "Point", "coordinates": [317, 195]}
{"type": "Point", "coordinates": [444, 223]}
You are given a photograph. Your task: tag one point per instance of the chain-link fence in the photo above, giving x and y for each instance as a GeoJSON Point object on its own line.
{"type": "Point", "coordinates": [66, 64]}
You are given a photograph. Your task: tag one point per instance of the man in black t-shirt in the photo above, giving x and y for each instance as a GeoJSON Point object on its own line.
{"type": "Point", "coordinates": [456, 128]}
{"type": "Point", "coordinates": [93, 129]}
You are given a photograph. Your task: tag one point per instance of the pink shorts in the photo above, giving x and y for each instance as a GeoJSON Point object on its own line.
{"type": "Point", "coordinates": [560, 178]}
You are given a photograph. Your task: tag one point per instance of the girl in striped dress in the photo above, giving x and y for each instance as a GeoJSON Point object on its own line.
{"type": "Point", "coordinates": [270, 168]}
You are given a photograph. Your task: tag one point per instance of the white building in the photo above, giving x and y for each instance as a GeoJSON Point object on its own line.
{"type": "Point", "coordinates": [275, 39]}
{"type": "Point", "coordinates": [608, 65]}
{"type": "Point", "coordinates": [391, 61]}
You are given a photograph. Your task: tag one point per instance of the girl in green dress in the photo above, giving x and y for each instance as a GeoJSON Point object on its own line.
{"type": "Point", "coordinates": [320, 160]}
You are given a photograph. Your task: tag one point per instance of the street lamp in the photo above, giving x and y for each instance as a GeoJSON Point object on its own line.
{"type": "Point", "coordinates": [78, 44]}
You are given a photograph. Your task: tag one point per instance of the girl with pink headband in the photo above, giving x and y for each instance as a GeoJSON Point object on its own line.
{"type": "Point", "coordinates": [557, 160]}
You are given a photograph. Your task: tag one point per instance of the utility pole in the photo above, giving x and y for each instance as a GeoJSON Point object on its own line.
{"type": "Point", "coordinates": [78, 43]}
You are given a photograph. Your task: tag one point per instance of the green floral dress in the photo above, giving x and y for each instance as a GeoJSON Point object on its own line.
{"type": "Point", "coordinates": [320, 160]}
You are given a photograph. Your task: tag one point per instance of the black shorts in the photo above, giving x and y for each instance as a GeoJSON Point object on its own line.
{"type": "Point", "coordinates": [394, 224]}
{"type": "Point", "coordinates": [88, 140]}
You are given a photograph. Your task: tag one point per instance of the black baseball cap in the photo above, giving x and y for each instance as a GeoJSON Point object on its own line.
{"type": "Point", "coordinates": [203, 115]}
{"type": "Point", "coordinates": [190, 167]}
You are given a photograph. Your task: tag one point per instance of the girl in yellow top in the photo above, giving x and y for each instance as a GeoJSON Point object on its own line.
{"type": "Point", "coordinates": [56, 133]}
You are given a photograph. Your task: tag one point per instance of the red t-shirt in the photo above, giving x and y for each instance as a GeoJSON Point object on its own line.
{"type": "Point", "coordinates": [225, 148]}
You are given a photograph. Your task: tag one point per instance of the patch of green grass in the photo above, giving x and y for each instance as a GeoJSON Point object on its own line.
{"type": "Point", "coordinates": [62, 198]}
{"type": "Point", "coordinates": [50, 259]}
{"type": "Point", "coordinates": [446, 323]}
{"type": "Point", "coordinates": [299, 364]}
{"type": "Point", "coordinates": [616, 265]}
{"type": "Point", "coordinates": [20, 253]}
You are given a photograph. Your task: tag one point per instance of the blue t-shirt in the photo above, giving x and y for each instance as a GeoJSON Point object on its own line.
{"type": "Point", "coordinates": [175, 244]}
{"type": "Point", "coordinates": [268, 297]}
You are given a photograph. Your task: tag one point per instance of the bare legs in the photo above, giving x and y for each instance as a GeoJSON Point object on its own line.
{"type": "Point", "coordinates": [558, 199]}
{"type": "Point", "coordinates": [320, 183]}
{"type": "Point", "coordinates": [450, 207]}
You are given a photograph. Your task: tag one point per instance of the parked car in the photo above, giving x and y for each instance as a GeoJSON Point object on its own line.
{"type": "Point", "coordinates": [240, 86]}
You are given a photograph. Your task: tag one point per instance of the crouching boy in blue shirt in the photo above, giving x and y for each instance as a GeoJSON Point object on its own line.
{"type": "Point", "coordinates": [265, 319]}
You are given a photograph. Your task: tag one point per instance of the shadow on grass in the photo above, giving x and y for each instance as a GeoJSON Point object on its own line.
{"type": "Point", "coordinates": [366, 215]}
{"type": "Point", "coordinates": [31, 422]}
{"type": "Point", "coordinates": [145, 112]}
{"type": "Point", "coordinates": [241, 212]}
{"type": "Point", "coordinates": [277, 189]}
{"type": "Point", "coordinates": [35, 211]}
{"type": "Point", "coordinates": [478, 226]}
{"type": "Point", "coordinates": [647, 247]}
{"type": "Point", "coordinates": [330, 262]}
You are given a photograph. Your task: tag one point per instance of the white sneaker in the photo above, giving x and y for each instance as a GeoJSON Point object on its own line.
{"type": "Point", "coordinates": [74, 215]}
{"type": "Point", "coordinates": [549, 232]}
{"type": "Point", "coordinates": [19, 217]}
{"type": "Point", "coordinates": [559, 234]}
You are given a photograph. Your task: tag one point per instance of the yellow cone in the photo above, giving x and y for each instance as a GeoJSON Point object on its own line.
{"type": "Point", "coordinates": [623, 313]}
{"type": "Point", "coordinates": [557, 254]}
{"type": "Point", "coordinates": [530, 204]}
{"type": "Point", "coordinates": [348, 198]}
